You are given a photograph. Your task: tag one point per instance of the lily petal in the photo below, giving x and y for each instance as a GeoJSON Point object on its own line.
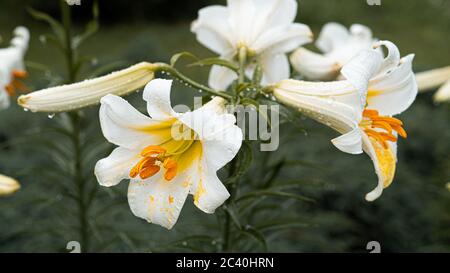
{"type": "Point", "coordinates": [394, 91]}
{"type": "Point", "coordinates": [337, 115]}
{"type": "Point", "coordinates": [212, 29]}
{"type": "Point", "coordinates": [361, 69]}
{"type": "Point", "coordinates": [157, 200]}
{"type": "Point", "coordinates": [433, 78]}
{"type": "Point", "coordinates": [124, 126]}
{"type": "Point", "coordinates": [157, 96]}
{"type": "Point", "coordinates": [116, 167]}
{"type": "Point", "coordinates": [8, 185]}
{"type": "Point", "coordinates": [275, 68]}
{"type": "Point", "coordinates": [332, 36]}
{"type": "Point", "coordinates": [384, 161]}
{"type": "Point", "coordinates": [221, 138]}
{"type": "Point", "coordinates": [283, 39]}
{"type": "Point", "coordinates": [313, 65]}
{"type": "Point", "coordinates": [221, 77]}
{"type": "Point", "coordinates": [443, 94]}
{"type": "Point", "coordinates": [89, 92]}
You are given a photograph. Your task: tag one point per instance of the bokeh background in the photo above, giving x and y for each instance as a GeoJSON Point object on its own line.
{"type": "Point", "coordinates": [411, 216]}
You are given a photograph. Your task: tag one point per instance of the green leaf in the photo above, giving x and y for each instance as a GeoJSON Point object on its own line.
{"type": "Point", "coordinates": [260, 193]}
{"type": "Point", "coordinates": [91, 28]}
{"type": "Point", "coordinates": [255, 234]}
{"type": "Point", "coordinates": [230, 209]}
{"type": "Point", "coordinates": [282, 224]}
{"type": "Point", "coordinates": [57, 28]}
{"type": "Point", "coordinates": [216, 61]}
{"type": "Point", "coordinates": [177, 56]}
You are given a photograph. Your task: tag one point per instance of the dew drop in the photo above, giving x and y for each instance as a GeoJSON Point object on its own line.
{"type": "Point", "coordinates": [26, 109]}
{"type": "Point", "coordinates": [50, 116]}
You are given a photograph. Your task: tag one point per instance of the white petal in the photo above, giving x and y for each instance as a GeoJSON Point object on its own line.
{"type": "Point", "coordinates": [157, 96]}
{"type": "Point", "coordinates": [112, 169]}
{"type": "Point", "coordinates": [432, 79]}
{"type": "Point", "coordinates": [221, 77]}
{"type": "Point", "coordinates": [4, 99]}
{"type": "Point", "coordinates": [241, 19]}
{"type": "Point", "coordinates": [443, 94]}
{"type": "Point", "coordinates": [212, 29]}
{"type": "Point", "coordinates": [334, 114]}
{"type": "Point", "coordinates": [275, 68]}
{"type": "Point", "coordinates": [336, 91]}
{"type": "Point", "coordinates": [209, 192]}
{"type": "Point", "coordinates": [282, 39]}
{"type": "Point", "coordinates": [157, 200]}
{"type": "Point", "coordinates": [393, 92]}
{"type": "Point", "coordinates": [124, 126]}
{"type": "Point", "coordinates": [8, 185]}
{"type": "Point", "coordinates": [314, 66]}
{"type": "Point", "coordinates": [220, 137]}
{"type": "Point", "coordinates": [89, 92]}
{"type": "Point", "coordinates": [393, 57]}
{"type": "Point", "coordinates": [384, 161]}
{"type": "Point", "coordinates": [361, 69]}
{"type": "Point", "coordinates": [350, 143]}
{"type": "Point", "coordinates": [332, 35]}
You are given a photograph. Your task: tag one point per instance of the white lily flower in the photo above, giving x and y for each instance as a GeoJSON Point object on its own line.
{"type": "Point", "coordinates": [73, 2]}
{"type": "Point", "coordinates": [338, 45]}
{"type": "Point", "coordinates": [264, 28]}
{"type": "Point", "coordinates": [432, 79]}
{"type": "Point", "coordinates": [168, 155]}
{"type": "Point", "coordinates": [12, 68]}
{"type": "Point", "coordinates": [89, 92]}
{"type": "Point", "coordinates": [8, 185]}
{"type": "Point", "coordinates": [387, 87]}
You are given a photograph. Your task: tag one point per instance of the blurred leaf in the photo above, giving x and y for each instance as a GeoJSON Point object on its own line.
{"type": "Point", "coordinates": [255, 234]}
{"type": "Point", "coordinates": [56, 26]}
{"type": "Point", "coordinates": [259, 193]}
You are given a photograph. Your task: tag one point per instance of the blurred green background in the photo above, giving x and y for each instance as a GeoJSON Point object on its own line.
{"type": "Point", "coordinates": [411, 216]}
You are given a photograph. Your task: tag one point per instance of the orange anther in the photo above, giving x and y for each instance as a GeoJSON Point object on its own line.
{"type": "Point", "coordinates": [400, 131]}
{"type": "Point", "coordinates": [10, 89]}
{"type": "Point", "coordinates": [20, 74]}
{"type": "Point", "coordinates": [383, 125]}
{"type": "Point", "coordinates": [169, 163]}
{"type": "Point", "coordinates": [149, 171]}
{"type": "Point", "coordinates": [370, 113]}
{"type": "Point", "coordinates": [170, 173]}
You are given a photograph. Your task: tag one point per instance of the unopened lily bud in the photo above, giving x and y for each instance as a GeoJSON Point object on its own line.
{"type": "Point", "coordinates": [78, 95]}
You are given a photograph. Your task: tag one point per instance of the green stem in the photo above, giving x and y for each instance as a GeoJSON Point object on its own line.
{"type": "Point", "coordinates": [242, 64]}
{"type": "Point", "coordinates": [76, 134]}
{"type": "Point", "coordinates": [175, 73]}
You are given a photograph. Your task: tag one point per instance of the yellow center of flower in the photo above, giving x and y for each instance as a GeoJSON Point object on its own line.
{"type": "Point", "coordinates": [15, 83]}
{"type": "Point", "coordinates": [174, 155]}
{"type": "Point", "coordinates": [372, 123]}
